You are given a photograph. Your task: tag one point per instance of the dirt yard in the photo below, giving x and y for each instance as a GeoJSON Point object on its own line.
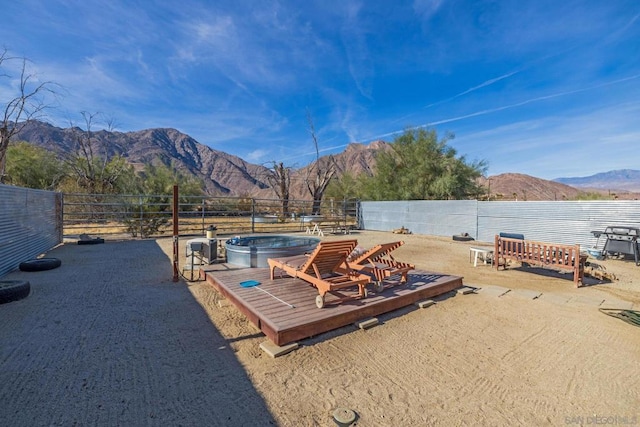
{"type": "Point", "coordinates": [109, 339]}
{"type": "Point", "coordinates": [487, 358]}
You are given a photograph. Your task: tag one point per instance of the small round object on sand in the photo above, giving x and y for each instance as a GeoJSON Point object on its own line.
{"type": "Point", "coordinates": [344, 416]}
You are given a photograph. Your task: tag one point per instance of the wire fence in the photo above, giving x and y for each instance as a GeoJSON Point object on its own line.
{"type": "Point", "coordinates": [143, 216]}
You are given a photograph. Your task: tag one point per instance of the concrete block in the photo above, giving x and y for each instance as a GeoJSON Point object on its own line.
{"type": "Point", "coordinates": [465, 290]}
{"type": "Point", "coordinates": [275, 350]}
{"type": "Point", "coordinates": [554, 298]}
{"type": "Point", "coordinates": [524, 293]}
{"type": "Point", "coordinates": [425, 303]}
{"type": "Point", "coordinates": [367, 323]}
{"type": "Point", "coordinates": [590, 301]}
{"type": "Point", "coordinates": [492, 290]}
{"type": "Point", "coordinates": [617, 304]}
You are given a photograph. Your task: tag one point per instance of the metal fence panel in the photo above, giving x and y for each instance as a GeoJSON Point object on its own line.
{"type": "Point", "coordinates": [565, 222]}
{"type": "Point", "coordinates": [430, 217]}
{"type": "Point", "coordinates": [30, 224]}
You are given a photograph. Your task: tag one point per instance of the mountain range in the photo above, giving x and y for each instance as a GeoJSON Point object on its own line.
{"type": "Point", "coordinates": [224, 174]}
{"type": "Point", "coordinates": [617, 180]}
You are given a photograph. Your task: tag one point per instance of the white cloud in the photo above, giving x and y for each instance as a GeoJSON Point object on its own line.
{"type": "Point", "coordinates": [239, 76]}
{"type": "Point", "coordinates": [577, 144]}
{"type": "Point", "coordinates": [354, 39]}
{"type": "Point", "coordinates": [257, 156]}
{"type": "Point", "coordinates": [426, 8]}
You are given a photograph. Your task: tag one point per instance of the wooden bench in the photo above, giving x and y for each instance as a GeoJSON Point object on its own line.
{"type": "Point", "coordinates": [551, 255]}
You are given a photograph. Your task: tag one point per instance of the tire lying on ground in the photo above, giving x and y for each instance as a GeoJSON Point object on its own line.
{"type": "Point", "coordinates": [91, 241]}
{"type": "Point", "coordinates": [13, 290]}
{"type": "Point", "coordinates": [40, 264]}
{"type": "Point", "coordinates": [462, 238]}
{"type": "Point", "coordinates": [85, 239]}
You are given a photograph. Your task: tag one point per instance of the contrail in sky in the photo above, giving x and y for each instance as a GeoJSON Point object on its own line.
{"type": "Point", "coordinates": [473, 89]}
{"type": "Point", "coordinates": [528, 101]}
{"type": "Point", "coordinates": [488, 111]}
{"type": "Point", "coordinates": [480, 86]}
{"type": "Point", "coordinates": [506, 107]}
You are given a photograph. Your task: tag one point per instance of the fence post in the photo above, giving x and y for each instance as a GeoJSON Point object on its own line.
{"type": "Point", "coordinates": [344, 214]}
{"type": "Point", "coordinates": [253, 215]}
{"type": "Point", "coordinates": [60, 215]}
{"type": "Point", "coordinates": [176, 234]}
{"type": "Point", "coordinates": [203, 216]}
{"type": "Point", "coordinates": [141, 215]}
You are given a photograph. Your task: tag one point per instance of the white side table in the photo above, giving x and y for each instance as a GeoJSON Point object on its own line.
{"type": "Point", "coordinates": [483, 253]}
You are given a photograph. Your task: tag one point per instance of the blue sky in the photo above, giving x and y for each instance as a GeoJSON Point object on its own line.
{"type": "Point", "coordinates": [543, 87]}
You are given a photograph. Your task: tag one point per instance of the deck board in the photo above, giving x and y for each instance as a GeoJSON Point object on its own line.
{"type": "Point", "coordinates": [283, 324]}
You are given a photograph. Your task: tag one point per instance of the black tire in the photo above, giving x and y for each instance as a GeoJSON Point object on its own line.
{"type": "Point", "coordinates": [13, 290]}
{"type": "Point", "coordinates": [462, 238]}
{"type": "Point", "coordinates": [40, 264]}
{"type": "Point", "coordinates": [91, 241]}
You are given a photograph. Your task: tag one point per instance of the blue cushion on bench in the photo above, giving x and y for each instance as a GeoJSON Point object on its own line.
{"type": "Point", "coordinates": [512, 236]}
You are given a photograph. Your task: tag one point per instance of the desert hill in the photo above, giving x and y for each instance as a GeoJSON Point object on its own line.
{"type": "Point", "coordinates": [516, 186]}
{"type": "Point", "coordinates": [622, 180]}
{"type": "Point", "coordinates": [226, 175]}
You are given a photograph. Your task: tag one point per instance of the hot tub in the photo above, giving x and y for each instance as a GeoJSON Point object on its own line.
{"type": "Point", "coordinates": [265, 219]}
{"type": "Point", "coordinates": [311, 218]}
{"type": "Point", "coordinates": [253, 251]}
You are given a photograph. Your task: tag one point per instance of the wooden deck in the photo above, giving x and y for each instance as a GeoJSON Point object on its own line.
{"type": "Point", "coordinates": [284, 309]}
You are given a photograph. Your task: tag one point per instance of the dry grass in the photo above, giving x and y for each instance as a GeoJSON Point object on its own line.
{"type": "Point", "coordinates": [225, 225]}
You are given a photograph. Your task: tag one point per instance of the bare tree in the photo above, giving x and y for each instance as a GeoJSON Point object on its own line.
{"type": "Point", "coordinates": [319, 174]}
{"type": "Point", "coordinates": [28, 103]}
{"type": "Point", "coordinates": [92, 168]}
{"type": "Point", "coordinates": [280, 181]}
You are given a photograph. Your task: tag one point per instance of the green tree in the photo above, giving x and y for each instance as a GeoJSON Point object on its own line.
{"type": "Point", "coordinates": [33, 167]}
{"type": "Point", "coordinates": [348, 186]}
{"type": "Point", "coordinates": [592, 195]}
{"type": "Point", "coordinates": [116, 176]}
{"type": "Point", "coordinates": [91, 168]}
{"type": "Point", "coordinates": [421, 167]}
{"type": "Point", "coordinates": [160, 179]}
{"type": "Point", "coordinates": [153, 209]}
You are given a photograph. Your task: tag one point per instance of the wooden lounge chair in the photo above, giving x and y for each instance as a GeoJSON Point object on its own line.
{"type": "Point", "coordinates": [326, 268]}
{"type": "Point", "coordinates": [379, 263]}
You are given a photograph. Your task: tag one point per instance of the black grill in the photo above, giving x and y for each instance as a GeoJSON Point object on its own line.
{"type": "Point", "coordinates": [620, 240]}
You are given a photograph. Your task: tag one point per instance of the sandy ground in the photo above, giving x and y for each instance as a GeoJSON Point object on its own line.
{"type": "Point", "coordinates": [109, 339]}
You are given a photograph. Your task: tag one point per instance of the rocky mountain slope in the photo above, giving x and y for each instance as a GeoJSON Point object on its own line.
{"type": "Point", "coordinates": [617, 180]}
{"type": "Point", "coordinates": [227, 175]}
{"type": "Point", "coordinates": [515, 186]}
{"type": "Point", "coordinates": [223, 174]}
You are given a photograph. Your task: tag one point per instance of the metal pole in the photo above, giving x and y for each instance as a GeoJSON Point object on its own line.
{"type": "Point", "coordinates": [253, 215]}
{"type": "Point", "coordinates": [175, 233]}
{"type": "Point", "coordinates": [203, 216]}
{"type": "Point", "coordinates": [141, 217]}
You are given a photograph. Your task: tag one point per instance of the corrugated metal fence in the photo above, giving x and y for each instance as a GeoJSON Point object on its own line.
{"type": "Point", "coordinates": [31, 220]}
{"type": "Point", "coordinates": [30, 224]}
{"type": "Point", "coordinates": [565, 222]}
